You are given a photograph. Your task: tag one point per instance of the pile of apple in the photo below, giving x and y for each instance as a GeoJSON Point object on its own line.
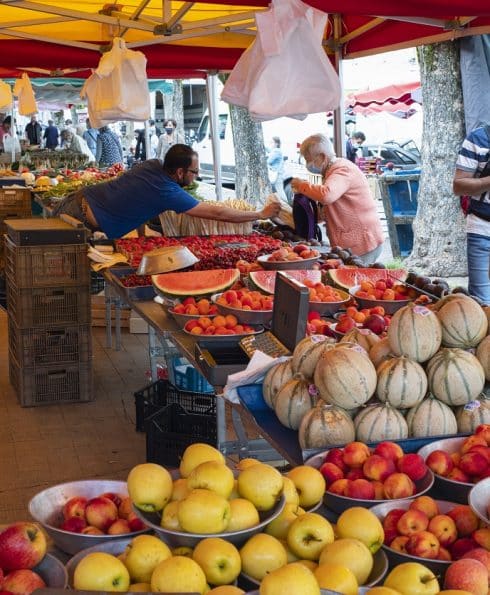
{"type": "Point", "coordinates": [288, 253]}
{"type": "Point", "coordinates": [189, 305]}
{"type": "Point", "coordinates": [107, 514]}
{"type": "Point", "coordinates": [246, 299]}
{"type": "Point", "coordinates": [385, 473]}
{"type": "Point", "coordinates": [22, 548]}
{"type": "Point", "coordinates": [219, 325]}
{"type": "Point", "coordinates": [468, 465]}
{"type": "Point", "coordinates": [375, 319]}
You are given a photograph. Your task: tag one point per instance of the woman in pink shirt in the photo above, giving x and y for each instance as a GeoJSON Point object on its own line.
{"type": "Point", "coordinates": [350, 211]}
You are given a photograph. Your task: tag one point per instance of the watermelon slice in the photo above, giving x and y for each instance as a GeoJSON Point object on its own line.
{"type": "Point", "coordinates": [192, 283]}
{"type": "Point", "coordinates": [266, 280]}
{"type": "Point", "coordinates": [348, 277]}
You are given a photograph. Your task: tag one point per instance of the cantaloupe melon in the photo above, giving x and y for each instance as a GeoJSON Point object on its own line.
{"type": "Point", "coordinates": [431, 417]}
{"type": "Point", "coordinates": [293, 400]}
{"type": "Point", "coordinates": [483, 355]}
{"type": "Point", "coordinates": [274, 379]}
{"type": "Point", "coordinates": [401, 382]}
{"type": "Point", "coordinates": [362, 336]}
{"type": "Point", "coordinates": [463, 322]}
{"type": "Point", "coordinates": [325, 426]}
{"type": "Point", "coordinates": [380, 422]}
{"type": "Point", "coordinates": [308, 351]}
{"type": "Point", "coordinates": [473, 414]}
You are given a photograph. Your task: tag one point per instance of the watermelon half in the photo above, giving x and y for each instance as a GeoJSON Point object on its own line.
{"type": "Point", "coordinates": [266, 280]}
{"type": "Point", "coordinates": [193, 283]}
{"type": "Point", "coordinates": [348, 277]}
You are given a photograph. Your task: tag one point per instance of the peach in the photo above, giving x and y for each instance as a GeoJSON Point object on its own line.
{"type": "Point", "coordinates": [361, 489]}
{"type": "Point", "coordinates": [135, 523]}
{"type": "Point", "coordinates": [339, 487]}
{"type": "Point", "coordinates": [379, 490]}
{"type": "Point", "coordinates": [354, 474]}
{"type": "Point", "coordinates": [444, 528]}
{"type": "Point", "coordinates": [116, 498]}
{"type": "Point", "coordinates": [484, 431]}
{"type": "Point", "coordinates": [467, 575]}
{"type": "Point", "coordinates": [75, 507]}
{"type": "Point", "coordinates": [378, 468]}
{"type": "Point", "coordinates": [440, 462]}
{"type": "Point", "coordinates": [74, 524]}
{"type": "Point", "coordinates": [423, 544]}
{"type": "Point", "coordinates": [481, 555]}
{"type": "Point", "coordinates": [465, 519]}
{"type": "Point", "coordinates": [335, 456]}
{"type": "Point", "coordinates": [90, 530]}
{"type": "Point", "coordinates": [455, 458]}
{"type": "Point", "coordinates": [355, 454]}
{"type": "Point", "coordinates": [118, 527]}
{"type": "Point", "coordinates": [459, 548]}
{"type": "Point", "coordinates": [474, 440]}
{"type": "Point", "coordinates": [458, 475]}
{"type": "Point", "coordinates": [427, 505]}
{"type": "Point", "coordinates": [125, 508]}
{"type": "Point", "coordinates": [101, 513]}
{"type": "Point", "coordinates": [400, 543]}
{"type": "Point", "coordinates": [413, 521]}
{"type": "Point", "coordinates": [473, 463]}
{"type": "Point", "coordinates": [413, 465]}
{"type": "Point", "coordinates": [482, 537]}
{"type": "Point", "coordinates": [391, 519]}
{"type": "Point", "coordinates": [331, 472]}
{"type": "Point", "coordinates": [483, 450]}
{"type": "Point", "coordinates": [389, 450]}
{"type": "Point", "coordinates": [399, 485]}
{"type": "Point", "coordinates": [444, 554]}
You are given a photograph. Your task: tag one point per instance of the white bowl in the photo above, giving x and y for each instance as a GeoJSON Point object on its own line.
{"type": "Point", "coordinates": [479, 499]}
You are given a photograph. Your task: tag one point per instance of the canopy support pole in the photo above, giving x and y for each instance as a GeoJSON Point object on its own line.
{"type": "Point", "coordinates": [213, 108]}
{"type": "Point", "coordinates": [339, 113]}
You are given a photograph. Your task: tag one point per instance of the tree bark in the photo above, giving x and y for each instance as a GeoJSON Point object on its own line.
{"type": "Point", "coordinates": [178, 105]}
{"type": "Point", "coordinates": [439, 234]}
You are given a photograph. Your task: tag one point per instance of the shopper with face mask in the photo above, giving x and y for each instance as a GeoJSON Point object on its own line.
{"type": "Point", "coordinates": [169, 137]}
{"type": "Point", "coordinates": [352, 218]}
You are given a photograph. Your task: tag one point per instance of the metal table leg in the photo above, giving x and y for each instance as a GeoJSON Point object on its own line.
{"type": "Point", "coordinates": [108, 321]}
{"type": "Point", "coordinates": [118, 304]}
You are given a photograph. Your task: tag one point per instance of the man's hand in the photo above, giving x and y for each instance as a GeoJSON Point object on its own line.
{"type": "Point", "coordinates": [270, 210]}
{"type": "Point", "coordinates": [295, 182]}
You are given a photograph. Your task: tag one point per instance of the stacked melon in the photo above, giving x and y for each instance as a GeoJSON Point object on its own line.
{"type": "Point", "coordinates": [423, 379]}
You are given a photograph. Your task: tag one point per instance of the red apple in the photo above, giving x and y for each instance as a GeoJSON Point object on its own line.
{"type": "Point", "coordinates": [101, 513]}
{"type": "Point", "coordinates": [22, 546]}
{"type": "Point", "coordinates": [23, 581]}
{"type": "Point", "coordinates": [481, 555]}
{"type": "Point", "coordinates": [75, 507]}
{"type": "Point", "coordinates": [467, 575]}
{"type": "Point", "coordinates": [118, 527]}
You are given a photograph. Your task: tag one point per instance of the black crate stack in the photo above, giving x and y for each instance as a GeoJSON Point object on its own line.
{"type": "Point", "coordinates": [48, 304]}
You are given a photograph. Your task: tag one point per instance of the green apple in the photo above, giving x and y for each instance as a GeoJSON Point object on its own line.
{"type": "Point", "coordinates": [180, 489]}
{"type": "Point", "coordinates": [219, 559]}
{"type": "Point", "coordinates": [262, 554]}
{"type": "Point", "coordinates": [360, 523]}
{"type": "Point", "coordinates": [149, 486]}
{"type": "Point", "coordinates": [213, 476]}
{"type": "Point", "coordinates": [179, 574]}
{"type": "Point", "coordinates": [290, 492]}
{"type": "Point", "coordinates": [412, 578]}
{"type": "Point", "coordinates": [101, 572]}
{"type": "Point", "coordinates": [142, 556]}
{"type": "Point", "coordinates": [261, 484]}
{"type": "Point", "coordinates": [204, 512]}
{"type": "Point", "coordinates": [308, 535]}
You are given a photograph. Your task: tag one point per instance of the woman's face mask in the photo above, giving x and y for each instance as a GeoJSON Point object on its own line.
{"type": "Point", "coordinates": [169, 129]}
{"type": "Point", "coordinates": [312, 168]}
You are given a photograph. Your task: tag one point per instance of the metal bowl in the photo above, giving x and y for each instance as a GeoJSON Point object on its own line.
{"type": "Point", "coordinates": [165, 260]}
{"type": "Point", "coordinates": [479, 500]}
{"type": "Point", "coordinates": [390, 306]}
{"type": "Point", "coordinates": [322, 592]}
{"type": "Point", "coordinates": [181, 319]}
{"type": "Point", "coordinates": [181, 538]}
{"type": "Point", "coordinates": [225, 338]}
{"type": "Point", "coordinates": [339, 503]}
{"type": "Point", "coordinates": [329, 308]}
{"type": "Point", "coordinates": [438, 567]}
{"type": "Point", "coordinates": [244, 316]}
{"type": "Point", "coordinates": [458, 490]}
{"type": "Point", "coordinates": [45, 508]}
{"type": "Point", "coordinates": [285, 265]}
{"type": "Point", "coordinates": [52, 571]}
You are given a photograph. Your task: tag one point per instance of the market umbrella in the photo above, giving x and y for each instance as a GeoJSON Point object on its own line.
{"type": "Point", "coordinates": [391, 98]}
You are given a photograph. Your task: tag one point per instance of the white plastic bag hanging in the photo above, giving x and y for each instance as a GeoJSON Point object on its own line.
{"type": "Point", "coordinates": [285, 72]}
{"type": "Point", "coordinates": [118, 88]}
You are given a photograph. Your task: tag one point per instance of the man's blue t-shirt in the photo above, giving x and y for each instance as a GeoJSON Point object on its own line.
{"type": "Point", "coordinates": [140, 194]}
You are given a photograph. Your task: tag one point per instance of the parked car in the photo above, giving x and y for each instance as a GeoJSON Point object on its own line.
{"type": "Point", "coordinates": [403, 156]}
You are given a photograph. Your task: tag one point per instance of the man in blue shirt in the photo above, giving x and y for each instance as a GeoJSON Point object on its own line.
{"type": "Point", "coordinates": [148, 189]}
{"type": "Point", "coordinates": [51, 135]}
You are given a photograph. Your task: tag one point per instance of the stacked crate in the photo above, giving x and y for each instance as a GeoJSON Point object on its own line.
{"type": "Point", "coordinates": [14, 203]}
{"type": "Point", "coordinates": [48, 304]}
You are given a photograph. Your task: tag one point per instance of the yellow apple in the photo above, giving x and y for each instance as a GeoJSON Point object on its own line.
{"type": "Point", "coordinates": [143, 554]}
{"type": "Point", "coordinates": [226, 590]}
{"type": "Point", "coordinates": [178, 574]}
{"type": "Point", "coordinates": [234, 492]}
{"type": "Point", "coordinates": [244, 463]}
{"type": "Point", "coordinates": [261, 484]}
{"type": "Point", "coordinates": [170, 519]}
{"type": "Point", "coordinates": [243, 515]}
{"type": "Point", "coordinates": [139, 588]}
{"type": "Point", "coordinates": [182, 550]}
{"type": "Point", "coordinates": [180, 489]}
{"type": "Point", "coordinates": [308, 535]}
{"type": "Point", "coordinates": [293, 578]}
{"type": "Point", "coordinates": [336, 577]}
{"type": "Point", "coordinates": [101, 572]}
{"type": "Point", "coordinates": [351, 553]}
{"type": "Point", "coordinates": [359, 523]}
{"type": "Point", "coordinates": [262, 554]}
{"type": "Point", "coordinates": [310, 485]}
{"type": "Point", "coordinates": [279, 527]}
{"type": "Point", "coordinates": [382, 591]}
{"type": "Point", "coordinates": [149, 486]}
{"type": "Point", "coordinates": [290, 492]}
{"type": "Point", "coordinates": [213, 476]}
{"type": "Point", "coordinates": [309, 564]}
{"type": "Point", "coordinates": [198, 453]}
{"type": "Point", "coordinates": [412, 578]}
{"type": "Point", "coordinates": [219, 559]}
{"type": "Point", "coordinates": [291, 557]}
{"type": "Point", "coordinates": [204, 512]}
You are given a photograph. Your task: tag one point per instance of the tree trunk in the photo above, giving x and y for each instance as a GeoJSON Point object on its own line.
{"type": "Point", "coordinates": [439, 235]}
{"type": "Point", "coordinates": [178, 105]}
{"type": "Point", "coordinates": [251, 178]}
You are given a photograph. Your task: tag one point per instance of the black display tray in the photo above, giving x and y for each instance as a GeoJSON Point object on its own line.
{"type": "Point", "coordinates": [139, 293]}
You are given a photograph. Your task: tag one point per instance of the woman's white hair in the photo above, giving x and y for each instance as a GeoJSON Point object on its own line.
{"type": "Point", "coordinates": [316, 144]}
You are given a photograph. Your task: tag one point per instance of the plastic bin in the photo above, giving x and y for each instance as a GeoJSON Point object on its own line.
{"type": "Point", "coordinates": [172, 429]}
{"type": "Point", "coordinates": [184, 376]}
{"type": "Point", "coordinates": [404, 234]}
{"type": "Point", "coordinates": [402, 189]}
{"type": "Point", "coordinates": [162, 393]}
{"type": "Point", "coordinates": [97, 283]}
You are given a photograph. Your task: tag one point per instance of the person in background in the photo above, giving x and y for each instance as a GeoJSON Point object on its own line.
{"type": "Point", "coordinates": [90, 136]}
{"type": "Point", "coordinates": [34, 132]}
{"type": "Point", "coordinates": [169, 137]}
{"type": "Point", "coordinates": [154, 134]}
{"type": "Point", "coordinates": [109, 150]}
{"type": "Point", "coordinates": [146, 190]}
{"type": "Point", "coordinates": [275, 165]}
{"type": "Point", "coordinates": [69, 126]}
{"type": "Point", "coordinates": [353, 144]}
{"type": "Point", "coordinates": [51, 135]}
{"type": "Point", "coordinates": [76, 144]}
{"type": "Point", "coordinates": [7, 140]}
{"type": "Point", "coordinates": [468, 181]}
{"type": "Point", "coordinates": [352, 218]}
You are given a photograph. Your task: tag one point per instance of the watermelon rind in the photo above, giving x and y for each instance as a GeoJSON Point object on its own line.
{"type": "Point", "coordinates": [195, 283]}
{"type": "Point", "coordinates": [348, 277]}
{"type": "Point", "coordinates": [265, 280]}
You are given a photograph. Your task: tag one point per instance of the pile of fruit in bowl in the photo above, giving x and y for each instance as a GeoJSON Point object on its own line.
{"type": "Point", "coordinates": [375, 319]}
{"type": "Point", "coordinates": [219, 326]}
{"type": "Point", "coordinates": [244, 299]}
{"type": "Point", "coordinates": [288, 253]}
{"type": "Point", "coordinates": [192, 307]}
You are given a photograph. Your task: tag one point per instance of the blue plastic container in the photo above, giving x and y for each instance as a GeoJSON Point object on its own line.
{"type": "Point", "coordinates": [183, 375]}
{"type": "Point", "coordinates": [402, 188]}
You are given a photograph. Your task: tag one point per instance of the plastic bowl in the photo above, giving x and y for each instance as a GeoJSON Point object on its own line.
{"type": "Point", "coordinates": [330, 308]}
{"type": "Point", "coordinates": [45, 508]}
{"type": "Point", "coordinates": [479, 499]}
{"type": "Point", "coordinates": [244, 316]}
{"type": "Point", "coordinates": [390, 306]}
{"type": "Point", "coordinates": [52, 571]}
{"type": "Point", "coordinates": [458, 490]}
{"type": "Point", "coordinates": [181, 538]}
{"type": "Point", "coordinates": [438, 567]}
{"type": "Point", "coordinates": [339, 503]}
{"type": "Point", "coordinates": [286, 265]}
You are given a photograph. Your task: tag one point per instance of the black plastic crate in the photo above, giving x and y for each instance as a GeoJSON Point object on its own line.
{"type": "Point", "coordinates": [97, 282]}
{"type": "Point", "coordinates": [161, 393]}
{"type": "Point", "coordinates": [172, 429]}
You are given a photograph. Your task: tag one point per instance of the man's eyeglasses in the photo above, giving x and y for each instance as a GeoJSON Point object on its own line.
{"type": "Point", "coordinates": [193, 171]}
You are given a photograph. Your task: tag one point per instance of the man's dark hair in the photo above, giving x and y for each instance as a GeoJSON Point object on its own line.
{"type": "Point", "coordinates": [178, 156]}
{"type": "Point", "coordinates": [277, 141]}
{"type": "Point", "coordinates": [360, 135]}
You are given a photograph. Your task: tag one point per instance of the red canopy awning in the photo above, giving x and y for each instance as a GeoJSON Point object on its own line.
{"type": "Point", "coordinates": [392, 98]}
